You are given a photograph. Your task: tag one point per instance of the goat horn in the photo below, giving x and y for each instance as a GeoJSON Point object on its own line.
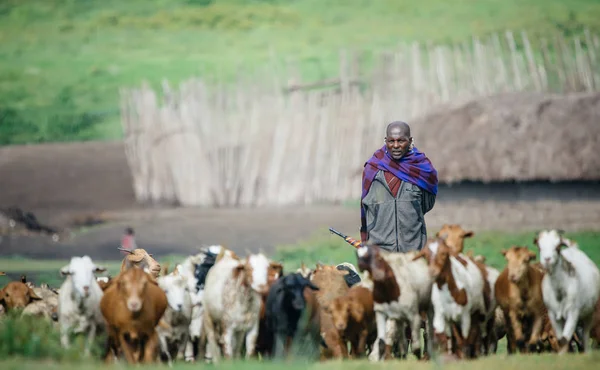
{"type": "Point", "coordinates": [125, 250]}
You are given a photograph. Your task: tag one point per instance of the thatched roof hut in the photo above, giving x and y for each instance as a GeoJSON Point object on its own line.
{"type": "Point", "coordinates": [525, 136]}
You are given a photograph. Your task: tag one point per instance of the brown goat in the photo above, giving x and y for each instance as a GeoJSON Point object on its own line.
{"type": "Point", "coordinates": [354, 318]}
{"type": "Point", "coordinates": [454, 236]}
{"type": "Point", "coordinates": [141, 259]}
{"type": "Point", "coordinates": [133, 306]}
{"type": "Point", "coordinates": [331, 285]}
{"type": "Point", "coordinates": [519, 294]}
{"type": "Point", "coordinates": [17, 295]}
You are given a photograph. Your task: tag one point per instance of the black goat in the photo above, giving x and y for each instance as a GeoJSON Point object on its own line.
{"type": "Point", "coordinates": [292, 314]}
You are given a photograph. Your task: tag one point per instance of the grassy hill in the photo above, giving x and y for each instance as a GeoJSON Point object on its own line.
{"type": "Point", "coordinates": [63, 61]}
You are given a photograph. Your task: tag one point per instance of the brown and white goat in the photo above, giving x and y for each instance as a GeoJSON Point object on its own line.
{"type": "Point", "coordinates": [457, 297]}
{"type": "Point", "coordinates": [232, 303]}
{"type": "Point", "coordinates": [141, 259]}
{"type": "Point", "coordinates": [401, 298]}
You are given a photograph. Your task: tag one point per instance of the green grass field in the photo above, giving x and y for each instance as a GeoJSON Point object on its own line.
{"type": "Point", "coordinates": [63, 61]}
{"type": "Point", "coordinates": [519, 362]}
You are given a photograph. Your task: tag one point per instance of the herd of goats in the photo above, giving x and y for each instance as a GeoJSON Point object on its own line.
{"type": "Point", "coordinates": [216, 304]}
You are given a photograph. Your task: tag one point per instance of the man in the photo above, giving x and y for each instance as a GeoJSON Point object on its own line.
{"type": "Point", "coordinates": [399, 186]}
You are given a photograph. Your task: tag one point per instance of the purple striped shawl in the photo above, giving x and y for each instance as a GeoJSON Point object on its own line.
{"type": "Point", "coordinates": [414, 168]}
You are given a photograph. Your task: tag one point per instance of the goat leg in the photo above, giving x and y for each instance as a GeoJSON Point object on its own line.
{"type": "Point", "coordinates": [585, 335]}
{"type": "Point", "coordinates": [150, 345]}
{"type": "Point", "coordinates": [126, 348]}
{"type": "Point", "coordinates": [473, 340]}
{"type": "Point", "coordinates": [569, 329]}
{"type": "Point", "coordinates": [213, 345]}
{"type": "Point", "coordinates": [251, 341]}
{"type": "Point", "coordinates": [416, 336]}
{"type": "Point", "coordinates": [362, 343]}
{"type": "Point", "coordinates": [460, 342]}
{"type": "Point", "coordinates": [90, 339]}
{"type": "Point", "coordinates": [536, 329]}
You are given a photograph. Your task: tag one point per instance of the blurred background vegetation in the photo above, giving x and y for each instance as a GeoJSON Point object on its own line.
{"type": "Point", "coordinates": [63, 61]}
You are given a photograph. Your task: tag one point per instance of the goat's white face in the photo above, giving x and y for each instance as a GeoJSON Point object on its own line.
{"type": "Point", "coordinates": [260, 266]}
{"type": "Point", "coordinates": [549, 243]}
{"type": "Point", "coordinates": [81, 270]}
{"type": "Point", "coordinates": [176, 289]}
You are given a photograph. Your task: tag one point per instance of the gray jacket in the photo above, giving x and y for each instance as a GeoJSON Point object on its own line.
{"type": "Point", "coordinates": [396, 224]}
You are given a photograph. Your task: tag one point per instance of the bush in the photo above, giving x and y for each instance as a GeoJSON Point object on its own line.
{"type": "Point", "coordinates": [22, 127]}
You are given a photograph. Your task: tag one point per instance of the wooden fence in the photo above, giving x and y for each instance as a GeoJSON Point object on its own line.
{"type": "Point", "coordinates": [263, 141]}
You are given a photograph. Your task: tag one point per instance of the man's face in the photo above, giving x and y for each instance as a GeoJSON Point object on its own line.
{"type": "Point", "coordinates": [397, 143]}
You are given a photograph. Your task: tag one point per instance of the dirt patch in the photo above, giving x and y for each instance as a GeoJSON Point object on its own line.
{"type": "Point", "coordinates": [63, 183]}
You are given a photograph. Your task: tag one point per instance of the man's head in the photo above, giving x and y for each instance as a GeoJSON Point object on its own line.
{"type": "Point", "coordinates": [398, 139]}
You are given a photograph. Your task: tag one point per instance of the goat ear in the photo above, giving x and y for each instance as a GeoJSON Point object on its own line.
{"type": "Point", "coordinates": [100, 269]}
{"type": "Point", "coordinates": [532, 256]}
{"type": "Point", "coordinates": [33, 296]}
{"type": "Point", "coordinates": [65, 271]}
{"type": "Point", "coordinates": [468, 234]}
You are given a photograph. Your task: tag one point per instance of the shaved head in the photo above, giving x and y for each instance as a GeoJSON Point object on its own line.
{"type": "Point", "coordinates": [403, 127]}
{"type": "Point", "coordinates": [398, 139]}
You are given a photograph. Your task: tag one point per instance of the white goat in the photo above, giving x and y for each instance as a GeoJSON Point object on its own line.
{"type": "Point", "coordinates": [47, 307]}
{"type": "Point", "coordinates": [570, 288]}
{"type": "Point", "coordinates": [232, 303]}
{"type": "Point", "coordinates": [189, 269]}
{"type": "Point", "coordinates": [79, 301]}
{"type": "Point", "coordinates": [178, 316]}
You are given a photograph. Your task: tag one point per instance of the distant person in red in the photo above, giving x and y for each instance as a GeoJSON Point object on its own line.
{"type": "Point", "coordinates": [128, 241]}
